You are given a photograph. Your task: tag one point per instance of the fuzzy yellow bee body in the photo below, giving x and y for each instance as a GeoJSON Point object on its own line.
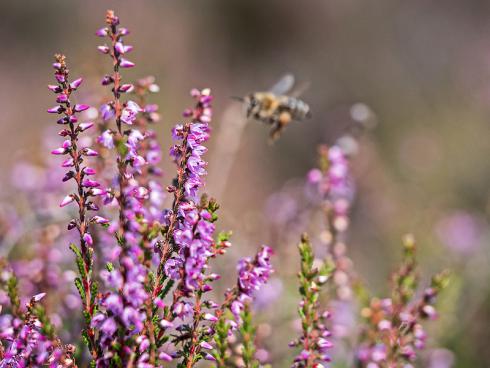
{"type": "Point", "coordinates": [276, 107]}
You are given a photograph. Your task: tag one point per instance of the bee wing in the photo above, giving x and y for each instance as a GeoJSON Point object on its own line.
{"type": "Point", "coordinates": [300, 89]}
{"type": "Point", "coordinates": [283, 85]}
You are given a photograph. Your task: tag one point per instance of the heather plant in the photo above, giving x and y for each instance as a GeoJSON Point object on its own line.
{"type": "Point", "coordinates": [145, 272]}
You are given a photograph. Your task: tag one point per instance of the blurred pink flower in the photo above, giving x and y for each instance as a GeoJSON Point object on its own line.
{"type": "Point", "coordinates": [461, 231]}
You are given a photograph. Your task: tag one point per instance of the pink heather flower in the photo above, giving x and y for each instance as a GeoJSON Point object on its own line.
{"type": "Point", "coordinates": [56, 110]}
{"type": "Point", "coordinates": [130, 112]}
{"type": "Point", "coordinates": [460, 231]}
{"type": "Point", "coordinates": [210, 317]}
{"type": "Point", "coordinates": [67, 200]}
{"type": "Point", "coordinates": [126, 88]}
{"type": "Point", "coordinates": [84, 126]}
{"type": "Point", "coordinates": [88, 238]}
{"type": "Point", "coordinates": [315, 176]}
{"type": "Point", "coordinates": [103, 49]}
{"type": "Point", "coordinates": [107, 112]}
{"type": "Point", "coordinates": [99, 220]}
{"type": "Point", "coordinates": [126, 63]}
{"type": "Point", "coordinates": [80, 108]}
{"type": "Point", "coordinates": [166, 324]}
{"type": "Point", "coordinates": [102, 32]}
{"type": "Point", "coordinates": [88, 183]}
{"type": "Point", "coordinates": [90, 152]}
{"type": "Point", "coordinates": [59, 151]}
{"type": "Point", "coordinates": [76, 83]}
{"type": "Point", "coordinates": [165, 357]}
{"type": "Point", "coordinates": [106, 139]}
{"type": "Point", "coordinates": [38, 297]}
{"type": "Point", "coordinates": [206, 345]}
{"type": "Point", "coordinates": [88, 171]}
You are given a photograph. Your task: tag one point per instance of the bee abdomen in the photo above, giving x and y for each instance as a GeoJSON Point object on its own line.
{"type": "Point", "coordinates": [299, 109]}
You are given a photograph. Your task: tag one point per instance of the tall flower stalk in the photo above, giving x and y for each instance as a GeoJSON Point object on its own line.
{"type": "Point", "coordinates": [187, 154]}
{"type": "Point", "coordinates": [122, 113]}
{"type": "Point", "coordinates": [86, 188]}
{"type": "Point", "coordinates": [393, 331]}
{"type": "Point", "coordinates": [314, 340]}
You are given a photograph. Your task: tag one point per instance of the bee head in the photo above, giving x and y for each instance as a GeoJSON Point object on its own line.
{"type": "Point", "coordinates": [252, 104]}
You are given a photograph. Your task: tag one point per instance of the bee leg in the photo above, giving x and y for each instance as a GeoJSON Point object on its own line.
{"type": "Point", "coordinates": [275, 132]}
{"type": "Point", "coordinates": [285, 118]}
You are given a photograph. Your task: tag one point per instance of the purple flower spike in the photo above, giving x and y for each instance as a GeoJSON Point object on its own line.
{"type": "Point", "coordinates": [77, 171]}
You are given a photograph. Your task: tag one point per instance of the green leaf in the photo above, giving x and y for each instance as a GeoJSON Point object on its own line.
{"type": "Point", "coordinates": [79, 286]}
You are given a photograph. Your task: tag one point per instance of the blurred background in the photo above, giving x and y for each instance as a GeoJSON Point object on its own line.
{"type": "Point", "coordinates": [423, 68]}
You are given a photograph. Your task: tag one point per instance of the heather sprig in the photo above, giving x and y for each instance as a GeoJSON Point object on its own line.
{"type": "Point", "coordinates": [86, 189]}
{"type": "Point", "coordinates": [314, 340]}
{"type": "Point", "coordinates": [222, 353]}
{"type": "Point", "coordinates": [127, 141]}
{"type": "Point", "coordinates": [27, 336]}
{"type": "Point", "coordinates": [393, 330]}
{"type": "Point", "coordinates": [234, 315]}
{"type": "Point", "coordinates": [334, 188]}
{"type": "Point", "coordinates": [151, 173]}
{"type": "Point", "coordinates": [126, 321]}
{"type": "Point", "coordinates": [252, 275]}
{"type": "Point", "coordinates": [247, 333]}
{"type": "Point", "coordinates": [187, 154]}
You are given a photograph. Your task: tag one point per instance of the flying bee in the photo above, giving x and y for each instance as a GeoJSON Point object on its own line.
{"type": "Point", "coordinates": [278, 106]}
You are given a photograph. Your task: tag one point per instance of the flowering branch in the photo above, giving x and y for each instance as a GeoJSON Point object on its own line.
{"type": "Point", "coordinates": [86, 188]}
{"type": "Point", "coordinates": [393, 330]}
{"type": "Point", "coordinates": [28, 332]}
{"type": "Point", "coordinates": [314, 341]}
{"type": "Point", "coordinates": [187, 155]}
{"type": "Point", "coordinates": [122, 113]}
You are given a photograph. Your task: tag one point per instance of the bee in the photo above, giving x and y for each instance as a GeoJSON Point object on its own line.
{"type": "Point", "coordinates": [278, 106]}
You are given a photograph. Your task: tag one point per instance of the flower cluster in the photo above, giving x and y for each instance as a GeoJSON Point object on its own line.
{"type": "Point", "coordinates": [86, 187]}
{"type": "Point", "coordinates": [314, 340]}
{"type": "Point", "coordinates": [252, 275]}
{"type": "Point", "coordinates": [185, 218]}
{"type": "Point", "coordinates": [149, 148]}
{"type": "Point", "coordinates": [393, 330]}
{"type": "Point", "coordinates": [127, 142]}
{"type": "Point", "coordinates": [334, 184]}
{"type": "Point", "coordinates": [26, 335]}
